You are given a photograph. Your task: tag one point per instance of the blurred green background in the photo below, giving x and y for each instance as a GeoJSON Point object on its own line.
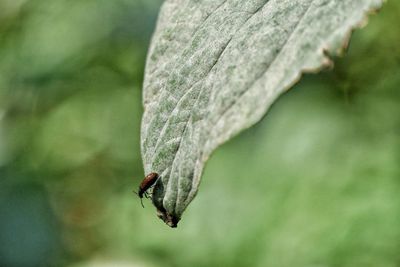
{"type": "Point", "coordinates": [316, 183]}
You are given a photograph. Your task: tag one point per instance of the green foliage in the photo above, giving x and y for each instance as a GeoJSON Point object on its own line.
{"type": "Point", "coordinates": [315, 183]}
{"type": "Point", "coordinates": [214, 74]}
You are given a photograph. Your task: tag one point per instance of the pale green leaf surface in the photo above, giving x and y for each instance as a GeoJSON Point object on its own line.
{"type": "Point", "coordinates": [215, 67]}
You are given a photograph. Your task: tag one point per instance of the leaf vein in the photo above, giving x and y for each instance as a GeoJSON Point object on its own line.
{"type": "Point", "coordinates": [267, 67]}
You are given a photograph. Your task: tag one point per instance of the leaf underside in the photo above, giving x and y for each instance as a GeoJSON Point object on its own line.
{"type": "Point", "coordinates": [216, 66]}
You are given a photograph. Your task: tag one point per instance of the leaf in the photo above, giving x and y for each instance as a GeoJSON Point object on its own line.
{"type": "Point", "coordinates": [215, 67]}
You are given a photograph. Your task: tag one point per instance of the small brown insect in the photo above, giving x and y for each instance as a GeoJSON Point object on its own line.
{"type": "Point", "coordinates": [146, 184]}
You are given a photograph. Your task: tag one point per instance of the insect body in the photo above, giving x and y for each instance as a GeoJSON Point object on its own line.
{"type": "Point", "coordinates": [146, 184]}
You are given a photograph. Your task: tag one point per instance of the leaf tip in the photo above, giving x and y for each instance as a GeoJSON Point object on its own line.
{"type": "Point", "coordinates": [169, 219]}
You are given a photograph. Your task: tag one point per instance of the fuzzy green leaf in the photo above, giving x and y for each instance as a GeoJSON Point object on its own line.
{"type": "Point", "coordinates": [215, 67]}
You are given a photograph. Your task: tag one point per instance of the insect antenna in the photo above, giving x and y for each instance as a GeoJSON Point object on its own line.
{"type": "Point", "coordinates": [141, 199]}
